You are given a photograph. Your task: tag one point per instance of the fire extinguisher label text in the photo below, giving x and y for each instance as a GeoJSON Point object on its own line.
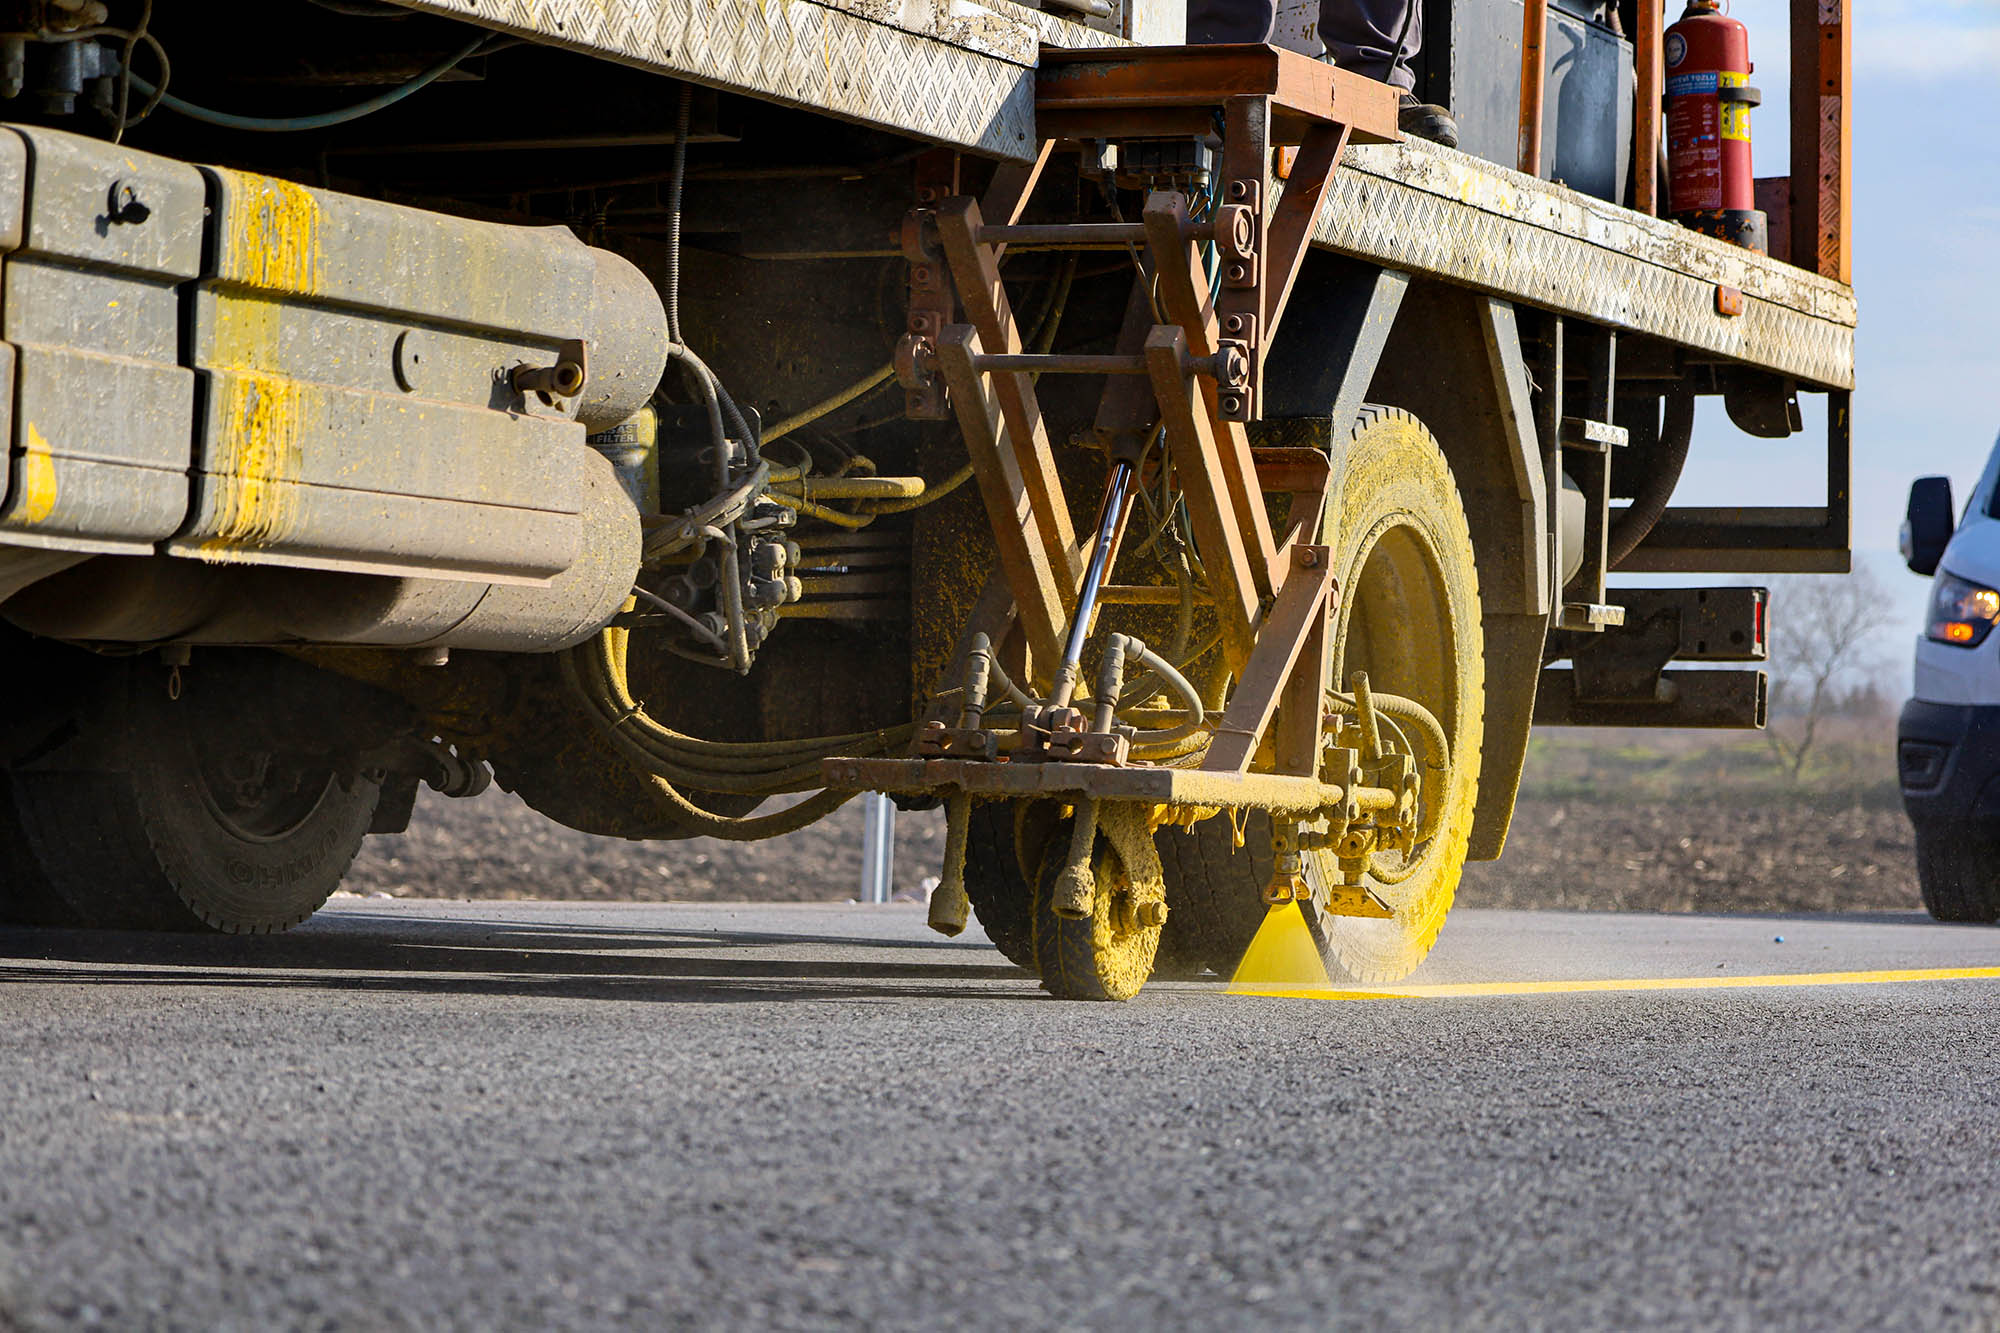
{"type": "Point", "coordinates": [1735, 115]}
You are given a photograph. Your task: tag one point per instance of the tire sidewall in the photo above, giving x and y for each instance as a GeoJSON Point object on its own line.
{"type": "Point", "coordinates": [227, 880]}
{"type": "Point", "coordinates": [1395, 469]}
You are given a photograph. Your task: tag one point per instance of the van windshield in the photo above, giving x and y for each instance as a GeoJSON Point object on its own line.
{"type": "Point", "coordinates": [1985, 497]}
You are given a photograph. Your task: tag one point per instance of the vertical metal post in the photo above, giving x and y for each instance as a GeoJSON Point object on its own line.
{"type": "Point", "coordinates": [1646, 113]}
{"type": "Point", "coordinates": [1534, 34]}
{"type": "Point", "coordinates": [878, 847]}
{"type": "Point", "coordinates": [1822, 138]}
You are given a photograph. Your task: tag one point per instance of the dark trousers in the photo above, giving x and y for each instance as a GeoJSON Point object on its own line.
{"type": "Point", "coordinates": [1359, 34]}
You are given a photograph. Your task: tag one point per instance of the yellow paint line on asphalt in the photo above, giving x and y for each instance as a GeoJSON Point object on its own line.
{"type": "Point", "coordinates": [1473, 989]}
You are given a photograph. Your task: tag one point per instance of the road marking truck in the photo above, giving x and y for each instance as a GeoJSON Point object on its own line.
{"type": "Point", "coordinates": [690, 413]}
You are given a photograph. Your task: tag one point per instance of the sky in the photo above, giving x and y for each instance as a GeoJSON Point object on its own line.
{"type": "Point", "coordinates": [1926, 273]}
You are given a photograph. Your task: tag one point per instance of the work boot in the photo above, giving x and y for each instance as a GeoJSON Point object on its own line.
{"type": "Point", "coordinates": [1427, 120]}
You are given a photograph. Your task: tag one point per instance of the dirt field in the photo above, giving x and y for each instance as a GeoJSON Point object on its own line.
{"type": "Point", "coordinates": [1610, 821]}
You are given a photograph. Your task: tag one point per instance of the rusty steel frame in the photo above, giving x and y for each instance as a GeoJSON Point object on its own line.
{"type": "Point", "coordinates": [1273, 598]}
{"type": "Point", "coordinates": [1182, 788]}
{"type": "Point", "coordinates": [1822, 206]}
{"type": "Point", "coordinates": [1649, 91]}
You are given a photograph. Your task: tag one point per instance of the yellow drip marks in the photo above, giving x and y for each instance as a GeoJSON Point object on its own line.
{"type": "Point", "coordinates": [271, 238]}
{"type": "Point", "coordinates": [38, 480]}
{"type": "Point", "coordinates": [270, 252]}
{"type": "Point", "coordinates": [257, 428]}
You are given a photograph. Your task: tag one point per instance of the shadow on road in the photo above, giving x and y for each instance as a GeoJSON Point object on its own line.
{"type": "Point", "coordinates": [381, 952]}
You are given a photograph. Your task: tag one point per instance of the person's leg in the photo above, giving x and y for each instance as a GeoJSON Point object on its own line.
{"type": "Point", "coordinates": [1211, 22]}
{"type": "Point", "coordinates": [1365, 35]}
{"type": "Point", "coordinates": [1377, 38]}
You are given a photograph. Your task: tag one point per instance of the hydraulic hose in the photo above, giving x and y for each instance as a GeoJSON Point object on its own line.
{"type": "Point", "coordinates": [675, 184]}
{"type": "Point", "coordinates": [730, 586]}
{"type": "Point", "coordinates": [596, 674]}
{"type": "Point", "coordinates": [1137, 651]}
{"type": "Point", "coordinates": [321, 120]}
{"type": "Point", "coordinates": [1638, 518]}
{"type": "Point", "coordinates": [1406, 710]}
{"type": "Point", "coordinates": [830, 404]}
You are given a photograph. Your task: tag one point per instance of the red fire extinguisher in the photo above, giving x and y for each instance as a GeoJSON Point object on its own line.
{"type": "Point", "coordinates": [1709, 185]}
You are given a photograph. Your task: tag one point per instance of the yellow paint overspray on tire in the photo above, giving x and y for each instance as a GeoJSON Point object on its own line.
{"type": "Point", "coordinates": [1398, 501]}
{"type": "Point", "coordinates": [1109, 954]}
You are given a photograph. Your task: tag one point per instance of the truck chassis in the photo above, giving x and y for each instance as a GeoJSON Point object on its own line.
{"type": "Point", "coordinates": [1353, 557]}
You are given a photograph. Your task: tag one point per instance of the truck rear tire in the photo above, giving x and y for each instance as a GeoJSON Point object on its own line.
{"type": "Point", "coordinates": [178, 815]}
{"type": "Point", "coordinates": [1409, 616]}
{"type": "Point", "coordinates": [26, 896]}
{"type": "Point", "coordinates": [1215, 897]}
{"type": "Point", "coordinates": [1958, 872]}
{"type": "Point", "coordinates": [1001, 896]}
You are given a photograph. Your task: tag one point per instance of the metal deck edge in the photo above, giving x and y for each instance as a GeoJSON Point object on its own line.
{"type": "Point", "coordinates": [1555, 207]}
{"type": "Point", "coordinates": [953, 74]}
{"type": "Point", "coordinates": [1438, 213]}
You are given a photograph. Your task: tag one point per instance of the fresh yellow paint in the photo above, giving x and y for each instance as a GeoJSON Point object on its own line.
{"type": "Point", "coordinates": [271, 236]}
{"type": "Point", "coordinates": [1476, 989]}
{"type": "Point", "coordinates": [38, 480]}
{"type": "Point", "coordinates": [256, 471]}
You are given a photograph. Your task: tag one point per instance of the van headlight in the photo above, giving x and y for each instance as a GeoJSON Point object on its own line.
{"type": "Point", "coordinates": [1962, 613]}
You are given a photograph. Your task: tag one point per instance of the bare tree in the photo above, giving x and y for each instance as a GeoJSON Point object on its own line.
{"type": "Point", "coordinates": [1823, 634]}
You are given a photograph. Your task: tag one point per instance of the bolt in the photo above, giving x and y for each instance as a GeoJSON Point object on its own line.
{"type": "Point", "coordinates": [1237, 272]}
{"type": "Point", "coordinates": [1239, 189]}
{"type": "Point", "coordinates": [1309, 558]}
{"type": "Point", "coordinates": [1152, 915]}
{"type": "Point", "coordinates": [1242, 233]}
{"type": "Point", "coordinates": [1232, 405]}
{"type": "Point", "coordinates": [1234, 323]}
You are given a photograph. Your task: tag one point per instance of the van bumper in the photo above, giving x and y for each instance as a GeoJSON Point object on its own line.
{"type": "Point", "coordinates": [1948, 761]}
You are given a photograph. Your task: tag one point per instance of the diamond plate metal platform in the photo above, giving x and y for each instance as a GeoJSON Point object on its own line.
{"type": "Point", "coordinates": [962, 74]}
{"type": "Point", "coordinates": [1428, 210]}
{"type": "Point", "coordinates": [955, 74]}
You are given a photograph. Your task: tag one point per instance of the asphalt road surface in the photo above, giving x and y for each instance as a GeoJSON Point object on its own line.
{"type": "Point", "coordinates": [530, 1115]}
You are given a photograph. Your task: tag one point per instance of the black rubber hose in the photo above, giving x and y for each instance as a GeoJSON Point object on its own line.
{"type": "Point", "coordinates": [675, 184]}
{"type": "Point", "coordinates": [1638, 518]}
{"type": "Point", "coordinates": [676, 189]}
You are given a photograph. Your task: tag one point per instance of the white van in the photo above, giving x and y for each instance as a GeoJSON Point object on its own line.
{"type": "Point", "coordinates": [1948, 738]}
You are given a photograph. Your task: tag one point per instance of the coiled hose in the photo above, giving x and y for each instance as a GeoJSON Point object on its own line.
{"type": "Point", "coordinates": [672, 760]}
